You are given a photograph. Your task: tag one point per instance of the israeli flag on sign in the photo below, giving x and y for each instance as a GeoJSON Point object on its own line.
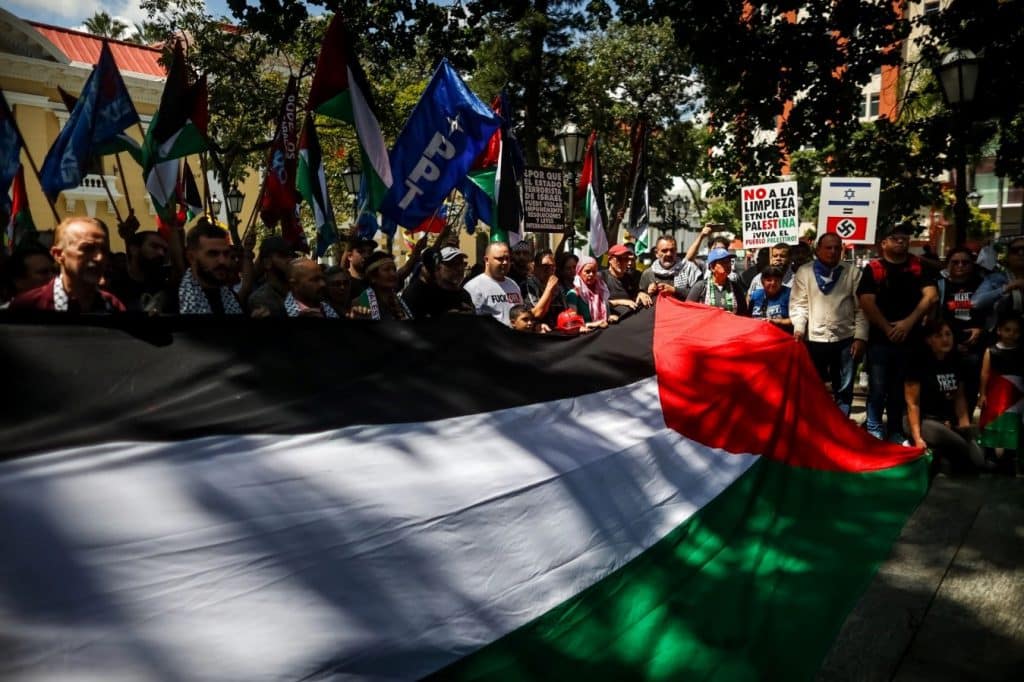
{"type": "Point", "coordinates": [445, 133]}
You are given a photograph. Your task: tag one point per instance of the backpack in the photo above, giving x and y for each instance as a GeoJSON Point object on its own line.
{"type": "Point", "coordinates": [913, 265]}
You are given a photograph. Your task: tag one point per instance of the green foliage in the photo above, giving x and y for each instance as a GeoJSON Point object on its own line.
{"type": "Point", "coordinates": [102, 24]}
{"type": "Point", "coordinates": [725, 212]}
{"type": "Point", "coordinates": [994, 30]}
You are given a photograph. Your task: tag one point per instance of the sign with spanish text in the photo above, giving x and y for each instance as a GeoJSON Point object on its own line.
{"type": "Point", "coordinates": [543, 200]}
{"type": "Point", "coordinates": [849, 208]}
{"type": "Point", "coordinates": [770, 215]}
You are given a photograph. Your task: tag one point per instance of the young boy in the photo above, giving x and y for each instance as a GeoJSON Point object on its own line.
{"type": "Point", "coordinates": [522, 319]}
{"type": "Point", "coordinates": [771, 302]}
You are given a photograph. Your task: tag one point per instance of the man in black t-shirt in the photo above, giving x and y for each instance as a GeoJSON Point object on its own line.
{"type": "Point", "coordinates": [895, 292]}
{"type": "Point", "coordinates": [440, 291]}
{"type": "Point", "coordinates": [624, 293]}
{"type": "Point", "coordinates": [144, 285]}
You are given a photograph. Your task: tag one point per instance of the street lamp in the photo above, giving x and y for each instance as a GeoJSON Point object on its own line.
{"type": "Point", "coordinates": [215, 206]}
{"type": "Point", "coordinates": [958, 75]}
{"type": "Point", "coordinates": [234, 199]}
{"type": "Point", "coordinates": [572, 144]}
{"type": "Point", "coordinates": [352, 177]}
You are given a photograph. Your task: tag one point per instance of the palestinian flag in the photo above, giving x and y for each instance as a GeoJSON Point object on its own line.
{"type": "Point", "coordinates": [340, 90]}
{"type": "Point", "coordinates": [11, 145]}
{"type": "Point", "coordinates": [1000, 419]}
{"type": "Point", "coordinates": [491, 188]}
{"type": "Point", "coordinates": [20, 223]}
{"type": "Point", "coordinates": [311, 183]}
{"type": "Point", "coordinates": [188, 193]}
{"type": "Point", "coordinates": [178, 129]}
{"type": "Point", "coordinates": [639, 203]}
{"type": "Point", "coordinates": [589, 190]}
{"type": "Point", "coordinates": [672, 497]}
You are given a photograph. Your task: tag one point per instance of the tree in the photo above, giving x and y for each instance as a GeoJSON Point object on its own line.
{"type": "Point", "coordinates": [147, 33]}
{"type": "Point", "coordinates": [631, 76]}
{"type": "Point", "coordinates": [246, 77]}
{"type": "Point", "coordinates": [106, 26]}
{"type": "Point", "coordinates": [778, 75]}
{"type": "Point", "coordinates": [994, 30]}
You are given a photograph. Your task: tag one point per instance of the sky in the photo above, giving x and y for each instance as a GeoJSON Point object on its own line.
{"type": "Point", "coordinates": [72, 13]}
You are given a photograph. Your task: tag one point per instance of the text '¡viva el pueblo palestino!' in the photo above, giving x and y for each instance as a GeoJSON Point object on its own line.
{"type": "Point", "coordinates": [770, 214]}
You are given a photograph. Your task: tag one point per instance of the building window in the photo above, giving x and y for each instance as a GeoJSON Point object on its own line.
{"type": "Point", "coordinates": [871, 105]}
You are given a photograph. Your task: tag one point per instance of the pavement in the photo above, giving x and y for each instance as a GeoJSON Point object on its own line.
{"type": "Point", "coordinates": [948, 604]}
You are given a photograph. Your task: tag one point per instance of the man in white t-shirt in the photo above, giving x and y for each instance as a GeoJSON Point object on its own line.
{"type": "Point", "coordinates": [493, 293]}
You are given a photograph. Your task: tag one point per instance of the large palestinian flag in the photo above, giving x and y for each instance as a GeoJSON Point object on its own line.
{"type": "Point", "coordinates": [671, 498]}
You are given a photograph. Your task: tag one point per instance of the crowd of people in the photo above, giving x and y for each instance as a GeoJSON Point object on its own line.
{"type": "Point", "coordinates": [938, 340]}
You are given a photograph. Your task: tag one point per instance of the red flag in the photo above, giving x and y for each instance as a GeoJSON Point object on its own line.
{"type": "Point", "coordinates": [280, 198]}
{"type": "Point", "coordinates": [492, 152]}
{"type": "Point", "coordinates": [436, 223]}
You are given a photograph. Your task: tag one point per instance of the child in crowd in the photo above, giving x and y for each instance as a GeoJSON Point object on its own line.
{"type": "Point", "coordinates": [771, 302]}
{"type": "Point", "coordinates": [1001, 389]}
{"type": "Point", "coordinates": [522, 319]}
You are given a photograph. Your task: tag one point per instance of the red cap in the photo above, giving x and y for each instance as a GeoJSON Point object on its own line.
{"type": "Point", "coordinates": [618, 250]}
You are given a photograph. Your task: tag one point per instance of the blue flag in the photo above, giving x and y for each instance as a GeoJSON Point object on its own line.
{"type": "Point", "coordinates": [103, 111]}
{"type": "Point", "coordinates": [446, 132]}
{"type": "Point", "coordinates": [10, 151]}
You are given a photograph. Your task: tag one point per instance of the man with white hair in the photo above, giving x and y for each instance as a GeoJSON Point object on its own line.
{"type": "Point", "coordinates": [80, 249]}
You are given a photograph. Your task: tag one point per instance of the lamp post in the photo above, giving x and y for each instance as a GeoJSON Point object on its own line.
{"type": "Point", "coordinates": [677, 210]}
{"type": "Point", "coordinates": [234, 199]}
{"type": "Point", "coordinates": [571, 143]}
{"type": "Point", "coordinates": [351, 178]}
{"type": "Point", "coordinates": [958, 75]}
{"type": "Point", "coordinates": [215, 206]}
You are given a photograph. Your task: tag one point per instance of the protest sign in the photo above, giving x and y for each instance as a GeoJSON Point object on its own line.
{"type": "Point", "coordinates": [849, 208]}
{"type": "Point", "coordinates": [770, 215]}
{"type": "Point", "coordinates": [543, 200]}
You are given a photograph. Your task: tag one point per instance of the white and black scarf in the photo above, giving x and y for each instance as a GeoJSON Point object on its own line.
{"type": "Point", "coordinates": [192, 299]}
{"type": "Point", "coordinates": [294, 308]}
{"type": "Point", "coordinates": [60, 298]}
{"type": "Point", "coordinates": [374, 306]}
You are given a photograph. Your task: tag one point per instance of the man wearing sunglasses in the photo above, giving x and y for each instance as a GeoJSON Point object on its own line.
{"type": "Point", "coordinates": [1003, 290]}
{"type": "Point", "coordinates": [895, 292]}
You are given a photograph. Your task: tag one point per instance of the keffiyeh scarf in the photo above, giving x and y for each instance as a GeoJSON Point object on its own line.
{"type": "Point", "coordinates": [720, 297]}
{"type": "Point", "coordinates": [60, 298]}
{"type": "Point", "coordinates": [294, 308]}
{"type": "Point", "coordinates": [192, 300]}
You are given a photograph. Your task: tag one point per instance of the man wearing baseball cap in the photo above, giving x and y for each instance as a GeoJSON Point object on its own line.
{"type": "Point", "coordinates": [895, 292]}
{"type": "Point", "coordinates": [719, 290]}
{"type": "Point", "coordinates": [439, 292]}
{"type": "Point", "coordinates": [623, 284]}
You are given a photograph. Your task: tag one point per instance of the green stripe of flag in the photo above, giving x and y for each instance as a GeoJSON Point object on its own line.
{"type": "Point", "coordinates": [754, 586]}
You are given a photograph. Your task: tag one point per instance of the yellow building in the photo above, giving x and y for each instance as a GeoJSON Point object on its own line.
{"type": "Point", "coordinates": [36, 59]}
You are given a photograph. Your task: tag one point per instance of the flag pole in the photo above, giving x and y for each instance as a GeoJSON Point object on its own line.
{"type": "Point", "coordinates": [110, 195]}
{"type": "Point", "coordinates": [35, 168]}
{"type": "Point", "coordinates": [124, 183]}
{"type": "Point", "coordinates": [207, 204]}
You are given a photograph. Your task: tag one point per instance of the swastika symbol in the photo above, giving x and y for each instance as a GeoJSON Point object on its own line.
{"type": "Point", "coordinates": [845, 228]}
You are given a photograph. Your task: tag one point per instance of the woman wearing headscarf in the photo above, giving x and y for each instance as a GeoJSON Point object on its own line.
{"type": "Point", "coordinates": [589, 295]}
